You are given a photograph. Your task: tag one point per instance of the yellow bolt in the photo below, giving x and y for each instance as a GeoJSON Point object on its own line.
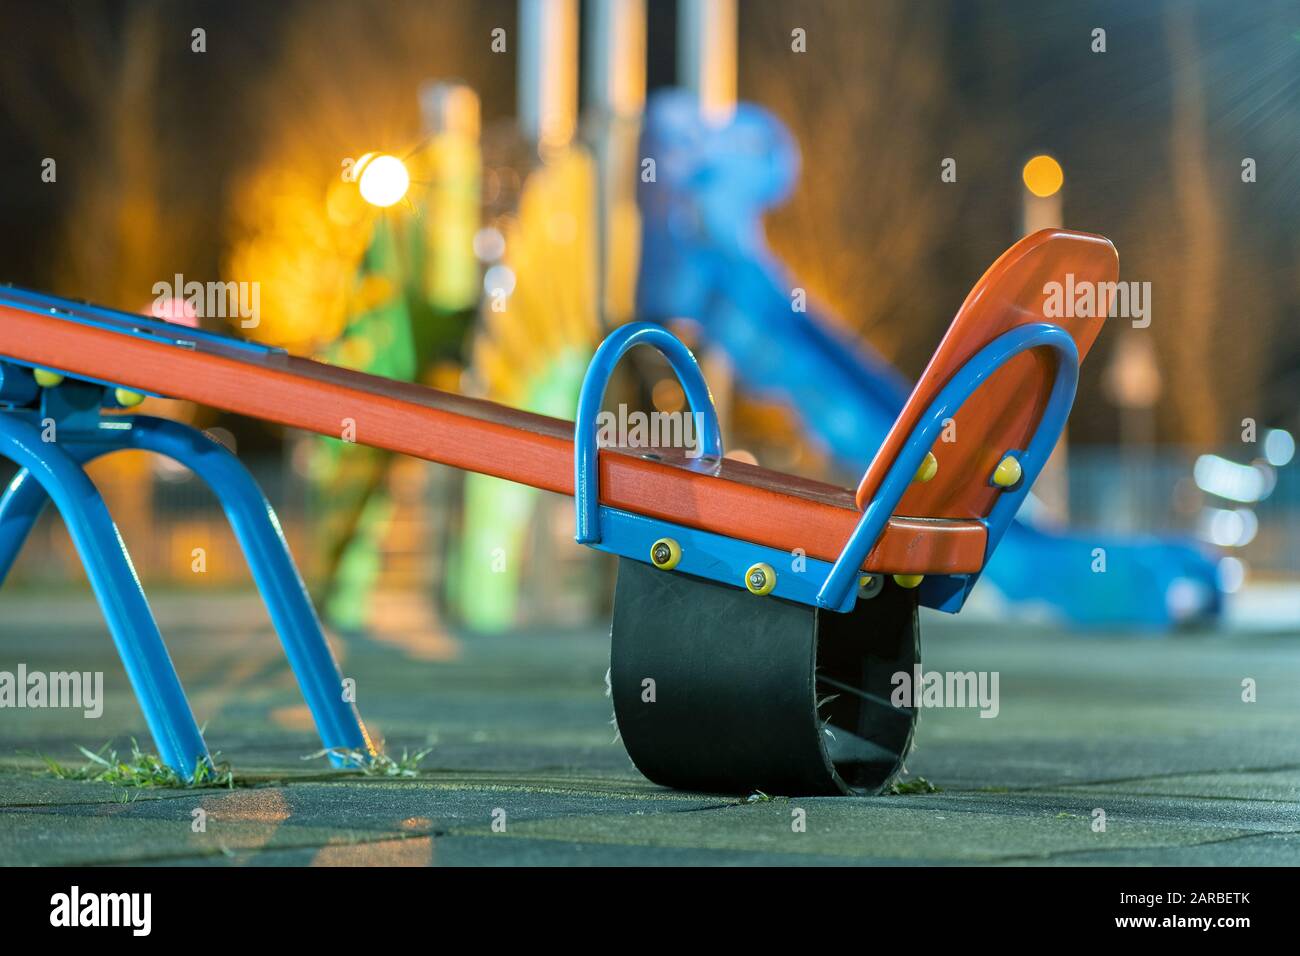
{"type": "Point", "coordinates": [908, 581]}
{"type": "Point", "coordinates": [760, 579]}
{"type": "Point", "coordinates": [929, 468]}
{"type": "Point", "coordinates": [869, 585]}
{"type": "Point", "coordinates": [47, 379]}
{"type": "Point", "coordinates": [1008, 472]}
{"type": "Point", "coordinates": [665, 553]}
{"type": "Point", "coordinates": [127, 398]}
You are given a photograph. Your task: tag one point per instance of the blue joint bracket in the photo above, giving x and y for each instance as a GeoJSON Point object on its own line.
{"type": "Point", "coordinates": [809, 580]}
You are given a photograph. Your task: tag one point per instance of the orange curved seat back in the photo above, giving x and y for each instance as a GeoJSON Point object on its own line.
{"type": "Point", "coordinates": [1002, 414]}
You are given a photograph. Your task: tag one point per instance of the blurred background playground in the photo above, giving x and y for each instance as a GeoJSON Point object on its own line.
{"type": "Point", "coordinates": [456, 193]}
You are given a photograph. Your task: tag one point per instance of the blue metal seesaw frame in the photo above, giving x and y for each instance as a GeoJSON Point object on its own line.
{"type": "Point", "coordinates": [808, 580]}
{"type": "Point", "coordinates": [52, 433]}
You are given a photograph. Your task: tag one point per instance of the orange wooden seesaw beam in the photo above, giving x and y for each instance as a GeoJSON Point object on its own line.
{"type": "Point", "coordinates": [742, 501]}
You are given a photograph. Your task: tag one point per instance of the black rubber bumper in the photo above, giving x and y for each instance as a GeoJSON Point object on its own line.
{"type": "Point", "coordinates": [720, 691]}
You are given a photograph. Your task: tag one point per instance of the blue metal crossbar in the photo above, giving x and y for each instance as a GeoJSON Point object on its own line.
{"type": "Point", "coordinates": [85, 313]}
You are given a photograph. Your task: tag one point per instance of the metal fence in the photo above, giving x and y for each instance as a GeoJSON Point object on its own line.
{"type": "Point", "coordinates": [1156, 492]}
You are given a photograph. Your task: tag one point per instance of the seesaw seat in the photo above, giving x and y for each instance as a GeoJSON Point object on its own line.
{"type": "Point", "coordinates": [1004, 412]}
{"type": "Point", "coordinates": [715, 690]}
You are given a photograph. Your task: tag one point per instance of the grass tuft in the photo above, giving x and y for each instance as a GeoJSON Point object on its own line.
{"type": "Point", "coordinates": [140, 769]}
{"type": "Point", "coordinates": [919, 785]}
{"type": "Point", "coordinates": [380, 765]}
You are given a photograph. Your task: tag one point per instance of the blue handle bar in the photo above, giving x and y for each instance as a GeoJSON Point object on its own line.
{"type": "Point", "coordinates": [586, 472]}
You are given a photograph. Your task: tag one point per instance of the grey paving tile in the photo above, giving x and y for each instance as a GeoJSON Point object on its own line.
{"type": "Point", "coordinates": [1152, 731]}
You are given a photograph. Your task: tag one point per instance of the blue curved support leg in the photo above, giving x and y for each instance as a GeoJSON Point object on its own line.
{"type": "Point", "coordinates": [22, 504]}
{"type": "Point", "coordinates": [114, 581]}
{"type": "Point", "coordinates": [258, 530]}
{"type": "Point", "coordinates": [261, 538]}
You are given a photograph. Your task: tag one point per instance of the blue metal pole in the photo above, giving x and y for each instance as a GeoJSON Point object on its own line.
{"type": "Point", "coordinates": [108, 565]}
{"type": "Point", "coordinates": [258, 530]}
{"type": "Point", "coordinates": [259, 534]}
{"type": "Point", "coordinates": [22, 504]}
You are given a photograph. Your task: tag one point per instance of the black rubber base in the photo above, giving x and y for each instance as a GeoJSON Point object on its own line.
{"type": "Point", "coordinates": [720, 691]}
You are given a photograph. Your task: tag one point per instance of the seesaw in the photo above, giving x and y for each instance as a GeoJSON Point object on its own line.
{"type": "Point", "coordinates": [758, 617]}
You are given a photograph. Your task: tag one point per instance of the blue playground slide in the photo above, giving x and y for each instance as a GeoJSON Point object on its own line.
{"type": "Point", "coordinates": [705, 257]}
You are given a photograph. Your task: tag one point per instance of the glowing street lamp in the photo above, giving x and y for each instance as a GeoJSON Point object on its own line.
{"type": "Point", "coordinates": [382, 179]}
{"type": "Point", "coordinates": [1041, 206]}
{"type": "Point", "coordinates": [1041, 209]}
{"type": "Point", "coordinates": [1043, 176]}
